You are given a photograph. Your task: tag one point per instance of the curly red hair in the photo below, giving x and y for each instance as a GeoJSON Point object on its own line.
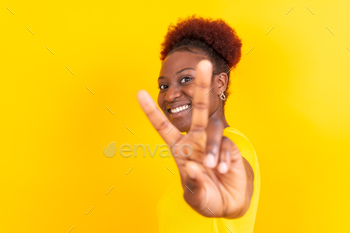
{"type": "Point", "coordinates": [215, 37]}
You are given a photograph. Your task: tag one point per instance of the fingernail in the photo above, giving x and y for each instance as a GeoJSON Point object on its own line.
{"type": "Point", "coordinates": [191, 174]}
{"type": "Point", "coordinates": [210, 160]}
{"type": "Point", "coordinates": [223, 167]}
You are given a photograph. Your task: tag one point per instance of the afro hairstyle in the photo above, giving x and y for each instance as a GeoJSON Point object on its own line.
{"type": "Point", "coordinates": [214, 37]}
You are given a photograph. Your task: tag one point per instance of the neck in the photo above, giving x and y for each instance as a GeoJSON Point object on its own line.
{"type": "Point", "coordinates": [219, 113]}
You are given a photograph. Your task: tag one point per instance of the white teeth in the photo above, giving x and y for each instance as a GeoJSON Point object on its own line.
{"type": "Point", "coordinates": [179, 109]}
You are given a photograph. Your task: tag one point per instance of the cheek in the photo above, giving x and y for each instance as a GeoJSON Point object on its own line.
{"type": "Point", "coordinates": [213, 102]}
{"type": "Point", "coordinates": [160, 100]}
{"type": "Point", "coordinates": [189, 91]}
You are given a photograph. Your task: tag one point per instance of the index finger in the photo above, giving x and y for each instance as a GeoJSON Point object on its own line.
{"type": "Point", "coordinates": [166, 130]}
{"type": "Point", "coordinates": [202, 83]}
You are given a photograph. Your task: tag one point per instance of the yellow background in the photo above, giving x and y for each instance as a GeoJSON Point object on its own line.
{"type": "Point", "coordinates": [290, 97]}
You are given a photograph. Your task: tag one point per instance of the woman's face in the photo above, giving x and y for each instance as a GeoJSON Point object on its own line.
{"type": "Point", "coordinates": [176, 88]}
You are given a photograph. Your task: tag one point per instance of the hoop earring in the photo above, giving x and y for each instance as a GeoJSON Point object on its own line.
{"type": "Point", "coordinates": [222, 96]}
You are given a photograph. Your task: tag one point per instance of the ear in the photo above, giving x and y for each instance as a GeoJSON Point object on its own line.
{"type": "Point", "coordinates": [222, 82]}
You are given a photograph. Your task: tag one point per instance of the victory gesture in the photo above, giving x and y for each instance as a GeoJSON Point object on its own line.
{"type": "Point", "coordinates": [216, 179]}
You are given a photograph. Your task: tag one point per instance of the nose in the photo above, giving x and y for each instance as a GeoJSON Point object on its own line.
{"type": "Point", "coordinates": [172, 93]}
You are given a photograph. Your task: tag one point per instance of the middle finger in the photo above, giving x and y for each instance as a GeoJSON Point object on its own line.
{"type": "Point", "coordinates": [214, 135]}
{"type": "Point", "coordinates": [202, 83]}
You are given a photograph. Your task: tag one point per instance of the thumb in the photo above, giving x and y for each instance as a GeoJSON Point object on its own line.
{"type": "Point", "coordinates": [194, 192]}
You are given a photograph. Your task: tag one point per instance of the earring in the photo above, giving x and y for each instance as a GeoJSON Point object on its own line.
{"type": "Point", "coordinates": [222, 96]}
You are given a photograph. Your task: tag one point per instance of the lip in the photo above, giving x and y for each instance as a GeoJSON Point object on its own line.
{"type": "Point", "coordinates": [176, 105]}
{"type": "Point", "coordinates": [181, 113]}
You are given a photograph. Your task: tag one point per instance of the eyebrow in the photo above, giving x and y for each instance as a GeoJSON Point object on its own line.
{"type": "Point", "coordinates": [188, 68]}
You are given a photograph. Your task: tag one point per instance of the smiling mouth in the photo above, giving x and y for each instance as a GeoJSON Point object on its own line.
{"type": "Point", "coordinates": [179, 109]}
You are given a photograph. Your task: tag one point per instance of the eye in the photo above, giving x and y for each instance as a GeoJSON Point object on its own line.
{"type": "Point", "coordinates": [162, 86]}
{"type": "Point", "coordinates": [185, 79]}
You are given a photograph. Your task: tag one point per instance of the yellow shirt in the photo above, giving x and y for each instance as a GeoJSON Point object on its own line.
{"type": "Point", "coordinates": [175, 215]}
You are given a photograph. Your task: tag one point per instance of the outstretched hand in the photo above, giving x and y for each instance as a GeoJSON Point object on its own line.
{"type": "Point", "coordinates": [217, 181]}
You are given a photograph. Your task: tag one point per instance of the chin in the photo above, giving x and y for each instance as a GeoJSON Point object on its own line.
{"type": "Point", "coordinates": [181, 120]}
{"type": "Point", "coordinates": [182, 125]}
{"type": "Point", "coordinates": [183, 128]}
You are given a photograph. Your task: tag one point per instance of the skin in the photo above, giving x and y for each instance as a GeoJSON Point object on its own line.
{"type": "Point", "coordinates": [173, 93]}
{"type": "Point", "coordinates": [217, 181]}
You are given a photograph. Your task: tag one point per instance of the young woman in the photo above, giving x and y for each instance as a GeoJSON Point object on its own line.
{"type": "Point", "coordinates": [220, 177]}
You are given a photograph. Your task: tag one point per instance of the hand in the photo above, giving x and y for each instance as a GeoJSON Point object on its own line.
{"type": "Point", "coordinates": [217, 181]}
